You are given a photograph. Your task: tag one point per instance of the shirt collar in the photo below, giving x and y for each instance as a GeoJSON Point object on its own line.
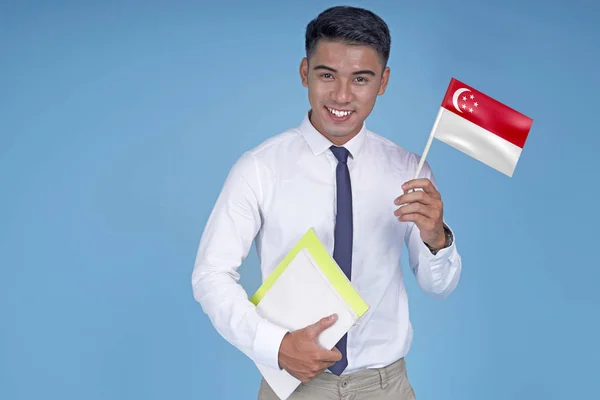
{"type": "Point", "coordinates": [319, 144]}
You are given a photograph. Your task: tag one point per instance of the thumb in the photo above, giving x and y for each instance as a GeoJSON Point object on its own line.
{"type": "Point", "coordinates": [323, 324]}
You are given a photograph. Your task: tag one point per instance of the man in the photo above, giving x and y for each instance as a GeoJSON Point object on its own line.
{"type": "Point", "coordinates": [355, 188]}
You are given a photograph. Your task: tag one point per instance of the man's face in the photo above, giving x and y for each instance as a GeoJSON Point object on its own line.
{"type": "Point", "coordinates": [343, 83]}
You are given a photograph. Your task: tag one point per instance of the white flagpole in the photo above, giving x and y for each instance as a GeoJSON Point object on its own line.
{"type": "Point", "coordinates": [428, 145]}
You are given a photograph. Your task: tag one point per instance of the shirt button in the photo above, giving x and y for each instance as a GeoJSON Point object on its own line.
{"type": "Point", "coordinates": [344, 383]}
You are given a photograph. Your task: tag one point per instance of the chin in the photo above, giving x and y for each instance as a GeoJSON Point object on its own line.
{"type": "Point", "coordinates": [337, 133]}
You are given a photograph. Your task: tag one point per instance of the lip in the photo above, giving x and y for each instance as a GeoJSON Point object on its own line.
{"type": "Point", "coordinates": [335, 118]}
{"type": "Point", "coordinates": [337, 109]}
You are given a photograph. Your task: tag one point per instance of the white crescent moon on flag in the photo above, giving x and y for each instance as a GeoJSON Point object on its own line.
{"type": "Point", "coordinates": [455, 97]}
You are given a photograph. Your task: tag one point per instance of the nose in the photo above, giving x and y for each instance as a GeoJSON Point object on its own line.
{"type": "Point", "coordinates": [342, 93]}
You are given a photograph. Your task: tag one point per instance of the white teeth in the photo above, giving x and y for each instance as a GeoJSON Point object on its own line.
{"type": "Point", "coordinates": [339, 113]}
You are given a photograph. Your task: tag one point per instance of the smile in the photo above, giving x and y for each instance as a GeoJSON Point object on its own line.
{"type": "Point", "coordinates": [339, 113]}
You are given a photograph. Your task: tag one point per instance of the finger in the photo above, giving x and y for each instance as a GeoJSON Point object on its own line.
{"type": "Point", "coordinates": [317, 367]}
{"type": "Point", "coordinates": [421, 183]}
{"type": "Point", "coordinates": [424, 223]}
{"type": "Point", "coordinates": [326, 364]}
{"type": "Point", "coordinates": [323, 324]}
{"type": "Point", "coordinates": [419, 196]}
{"type": "Point", "coordinates": [418, 208]}
{"type": "Point", "coordinates": [319, 371]}
{"type": "Point", "coordinates": [332, 356]}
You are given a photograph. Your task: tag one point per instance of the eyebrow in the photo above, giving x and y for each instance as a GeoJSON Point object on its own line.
{"type": "Point", "coordinates": [361, 72]}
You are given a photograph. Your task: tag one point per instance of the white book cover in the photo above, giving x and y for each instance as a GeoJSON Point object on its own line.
{"type": "Point", "coordinates": [306, 286]}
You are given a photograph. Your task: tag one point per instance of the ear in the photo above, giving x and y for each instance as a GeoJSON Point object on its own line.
{"type": "Point", "coordinates": [304, 72]}
{"type": "Point", "coordinates": [385, 77]}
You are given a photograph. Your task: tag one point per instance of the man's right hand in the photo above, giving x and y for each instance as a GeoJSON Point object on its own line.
{"type": "Point", "coordinates": [301, 355]}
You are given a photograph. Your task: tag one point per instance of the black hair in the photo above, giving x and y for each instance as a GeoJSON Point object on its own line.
{"type": "Point", "coordinates": [350, 25]}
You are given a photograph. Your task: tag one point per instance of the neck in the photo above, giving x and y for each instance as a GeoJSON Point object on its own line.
{"type": "Point", "coordinates": [339, 141]}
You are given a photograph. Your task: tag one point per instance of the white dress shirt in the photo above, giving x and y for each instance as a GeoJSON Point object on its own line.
{"type": "Point", "coordinates": [273, 194]}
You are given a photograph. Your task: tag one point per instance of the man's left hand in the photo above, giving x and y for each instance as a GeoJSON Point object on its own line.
{"type": "Point", "coordinates": [425, 209]}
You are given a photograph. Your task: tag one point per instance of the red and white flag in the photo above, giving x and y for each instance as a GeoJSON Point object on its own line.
{"type": "Point", "coordinates": [482, 127]}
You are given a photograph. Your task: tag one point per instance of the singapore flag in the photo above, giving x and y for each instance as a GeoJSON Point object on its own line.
{"type": "Point", "coordinates": [482, 127]}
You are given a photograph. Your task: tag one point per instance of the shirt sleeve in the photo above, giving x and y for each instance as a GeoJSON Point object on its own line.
{"type": "Point", "coordinates": [437, 274]}
{"type": "Point", "coordinates": [227, 238]}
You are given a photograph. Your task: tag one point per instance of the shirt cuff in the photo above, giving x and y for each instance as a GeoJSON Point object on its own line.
{"type": "Point", "coordinates": [267, 342]}
{"type": "Point", "coordinates": [442, 254]}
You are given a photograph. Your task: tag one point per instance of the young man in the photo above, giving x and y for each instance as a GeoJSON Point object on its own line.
{"type": "Point", "coordinates": [354, 188]}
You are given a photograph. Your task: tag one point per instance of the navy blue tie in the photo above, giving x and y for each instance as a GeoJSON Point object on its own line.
{"type": "Point", "coordinates": [342, 250]}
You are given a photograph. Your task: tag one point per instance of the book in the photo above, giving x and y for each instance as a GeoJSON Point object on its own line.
{"type": "Point", "coordinates": [306, 286]}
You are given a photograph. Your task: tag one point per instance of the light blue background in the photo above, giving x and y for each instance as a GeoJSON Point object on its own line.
{"type": "Point", "coordinates": [120, 120]}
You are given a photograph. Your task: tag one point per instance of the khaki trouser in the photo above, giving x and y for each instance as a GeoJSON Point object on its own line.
{"type": "Point", "coordinates": [390, 382]}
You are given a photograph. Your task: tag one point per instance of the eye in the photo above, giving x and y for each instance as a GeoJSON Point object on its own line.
{"type": "Point", "coordinates": [362, 79]}
{"type": "Point", "coordinates": [326, 75]}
